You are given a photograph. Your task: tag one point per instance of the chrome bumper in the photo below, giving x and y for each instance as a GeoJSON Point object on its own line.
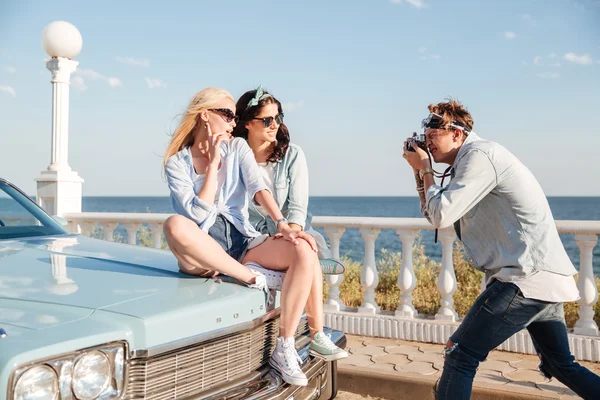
{"type": "Point", "coordinates": [265, 384]}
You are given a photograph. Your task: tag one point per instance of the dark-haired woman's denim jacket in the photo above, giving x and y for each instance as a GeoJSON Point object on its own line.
{"type": "Point", "coordinates": [290, 183]}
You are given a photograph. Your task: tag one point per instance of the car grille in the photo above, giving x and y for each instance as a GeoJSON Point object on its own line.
{"type": "Point", "coordinates": [189, 371]}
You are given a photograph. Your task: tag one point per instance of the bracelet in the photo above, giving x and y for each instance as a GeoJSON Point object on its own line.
{"type": "Point", "coordinates": [280, 220]}
{"type": "Point", "coordinates": [425, 171]}
{"type": "Point", "coordinates": [420, 189]}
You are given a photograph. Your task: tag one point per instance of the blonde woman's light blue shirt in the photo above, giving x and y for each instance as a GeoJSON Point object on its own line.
{"type": "Point", "coordinates": [240, 179]}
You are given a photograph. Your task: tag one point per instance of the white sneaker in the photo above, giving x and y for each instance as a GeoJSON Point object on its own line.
{"type": "Point", "coordinates": [274, 279]}
{"type": "Point", "coordinates": [286, 361]}
{"type": "Point", "coordinates": [260, 283]}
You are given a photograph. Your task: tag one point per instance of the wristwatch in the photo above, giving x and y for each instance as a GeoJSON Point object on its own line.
{"type": "Point", "coordinates": [280, 220]}
{"type": "Point", "coordinates": [425, 171]}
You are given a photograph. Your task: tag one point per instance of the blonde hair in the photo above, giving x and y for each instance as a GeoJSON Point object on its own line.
{"type": "Point", "coordinates": [184, 134]}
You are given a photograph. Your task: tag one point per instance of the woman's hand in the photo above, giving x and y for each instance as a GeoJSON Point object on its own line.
{"type": "Point", "coordinates": [294, 236]}
{"type": "Point", "coordinates": [296, 227]}
{"type": "Point", "coordinates": [214, 144]}
{"type": "Point", "coordinates": [417, 159]}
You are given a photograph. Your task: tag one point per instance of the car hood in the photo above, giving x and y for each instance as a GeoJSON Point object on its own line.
{"type": "Point", "coordinates": [56, 280]}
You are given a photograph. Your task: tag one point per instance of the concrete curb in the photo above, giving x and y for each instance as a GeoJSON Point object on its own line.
{"type": "Point", "coordinates": [400, 386]}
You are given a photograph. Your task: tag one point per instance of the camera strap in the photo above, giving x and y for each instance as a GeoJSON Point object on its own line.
{"type": "Point", "coordinates": [448, 172]}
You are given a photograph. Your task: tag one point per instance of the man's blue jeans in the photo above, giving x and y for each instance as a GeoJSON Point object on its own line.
{"type": "Point", "coordinates": [498, 313]}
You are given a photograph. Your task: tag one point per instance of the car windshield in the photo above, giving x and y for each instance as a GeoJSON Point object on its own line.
{"type": "Point", "coordinates": [20, 217]}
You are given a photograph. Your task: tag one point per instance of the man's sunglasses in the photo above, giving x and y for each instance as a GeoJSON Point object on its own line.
{"type": "Point", "coordinates": [226, 114]}
{"type": "Point", "coordinates": [435, 121]}
{"type": "Point", "coordinates": [267, 121]}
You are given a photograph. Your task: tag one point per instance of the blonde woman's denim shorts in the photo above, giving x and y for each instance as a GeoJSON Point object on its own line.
{"type": "Point", "coordinates": [231, 240]}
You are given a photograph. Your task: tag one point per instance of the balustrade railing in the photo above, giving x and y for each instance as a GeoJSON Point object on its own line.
{"type": "Point", "coordinates": [407, 229]}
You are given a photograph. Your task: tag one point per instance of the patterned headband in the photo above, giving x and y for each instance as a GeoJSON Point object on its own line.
{"type": "Point", "coordinates": [257, 97]}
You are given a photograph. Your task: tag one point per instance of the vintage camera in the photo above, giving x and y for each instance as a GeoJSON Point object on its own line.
{"type": "Point", "coordinates": [419, 139]}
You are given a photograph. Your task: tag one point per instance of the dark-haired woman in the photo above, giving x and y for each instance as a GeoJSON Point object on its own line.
{"type": "Point", "coordinates": [284, 171]}
{"type": "Point", "coordinates": [283, 168]}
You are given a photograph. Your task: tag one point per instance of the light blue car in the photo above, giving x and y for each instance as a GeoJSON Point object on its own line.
{"type": "Point", "coordinates": [84, 319]}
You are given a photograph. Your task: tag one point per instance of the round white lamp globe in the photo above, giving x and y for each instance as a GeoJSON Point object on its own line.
{"type": "Point", "coordinates": [61, 39]}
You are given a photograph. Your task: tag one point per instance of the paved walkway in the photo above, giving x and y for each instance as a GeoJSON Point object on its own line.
{"type": "Point", "coordinates": [396, 369]}
{"type": "Point", "coordinates": [353, 396]}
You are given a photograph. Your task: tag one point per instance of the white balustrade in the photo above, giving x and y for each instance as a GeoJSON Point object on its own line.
{"type": "Point", "coordinates": [86, 228]}
{"type": "Point", "coordinates": [407, 281]}
{"type": "Point", "coordinates": [369, 278]}
{"type": "Point", "coordinates": [408, 324]}
{"type": "Point", "coordinates": [132, 223]}
{"type": "Point", "coordinates": [586, 283]}
{"type": "Point", "coordinates": [109, 231]}
{"type": "Point", "coordinates": [447, 278]}
{"type": "Point", "coordinates": [333, 302]}
{"type": "Point", "coordinates": [132, 230]}
{"type": "Point", "coordinates": [157, 230]}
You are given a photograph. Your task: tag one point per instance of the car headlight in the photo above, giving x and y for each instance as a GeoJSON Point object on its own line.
{"type": "Point", "coordinates": [91, 375]}
{"type": "Point", "coordinates": [37, 383]}
{"type": "Point", "coordinates": [95, 373]}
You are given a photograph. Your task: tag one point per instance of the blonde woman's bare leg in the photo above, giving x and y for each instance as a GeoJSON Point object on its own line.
{"type": "Point", "coordinates": [198, 253]}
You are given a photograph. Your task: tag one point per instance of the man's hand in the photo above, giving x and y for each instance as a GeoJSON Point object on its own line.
{"type": "Point", "coordinates": [417, 159]}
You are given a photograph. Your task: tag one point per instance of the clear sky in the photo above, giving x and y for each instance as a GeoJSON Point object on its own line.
{"type": "Point", "coordinates": [355, 78]}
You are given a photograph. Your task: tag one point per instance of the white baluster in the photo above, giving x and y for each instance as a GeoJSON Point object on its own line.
{"type": "Point", "coordinates": [77, 227]}
{"type": "Point", "coordinates": [334, 303]}
{"type": "Point", "coordinates": [72, 227]}
{"type": "Point", "coordinates": [407, 281]}
{"type": "Point", "coordinates": [588, 291]}
{"type": "Point", "coordinates": [157, 235]}
{"type": "Point", "coordinates": [86, 228]}
{"type": "Point", "coordinates": [447, 278]}
{"type": "Point", "coordinates": [369, 279]}
{"type": "Point", "coordinates": [109, 230]}
{"type": "Point", "coordinates": [132, 232]}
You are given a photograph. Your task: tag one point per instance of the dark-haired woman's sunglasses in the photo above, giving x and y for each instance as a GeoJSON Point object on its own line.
{"type": "Point", "coordinates": [269, 120]}
{"type": "Point", "coordinates": [226, 114]}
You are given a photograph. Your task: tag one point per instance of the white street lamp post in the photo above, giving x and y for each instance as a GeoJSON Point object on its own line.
{"type": "Point", "coordinates": [59, 188]}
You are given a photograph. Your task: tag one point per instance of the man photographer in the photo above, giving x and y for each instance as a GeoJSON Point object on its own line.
{"type": "Point", "coordinates": [502, 217]}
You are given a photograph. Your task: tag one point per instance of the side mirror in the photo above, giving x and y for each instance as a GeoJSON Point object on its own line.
{"type": "Point", "coordinates": [61, 221]}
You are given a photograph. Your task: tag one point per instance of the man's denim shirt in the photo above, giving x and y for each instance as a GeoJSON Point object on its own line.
{"type": "Point", "coordinates": [505, 219]}
{"type": "Point", "coordinates": [290, 183]}
{"type": "Point", "coordinates": [240, 179]}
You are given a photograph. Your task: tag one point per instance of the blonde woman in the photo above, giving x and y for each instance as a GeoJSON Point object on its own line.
{"type": "Point", "coordinates": [210, 177]}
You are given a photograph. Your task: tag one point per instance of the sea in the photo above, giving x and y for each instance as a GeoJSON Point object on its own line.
{"type": "Point", "coordinates": [352, 244]}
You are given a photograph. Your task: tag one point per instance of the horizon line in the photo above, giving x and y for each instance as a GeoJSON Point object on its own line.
{"type": "Point", "coordinates": [325, 196]}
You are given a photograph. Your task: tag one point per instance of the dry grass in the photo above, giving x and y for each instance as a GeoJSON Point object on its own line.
{"type": "Point", "coordinates": [426, 297]}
